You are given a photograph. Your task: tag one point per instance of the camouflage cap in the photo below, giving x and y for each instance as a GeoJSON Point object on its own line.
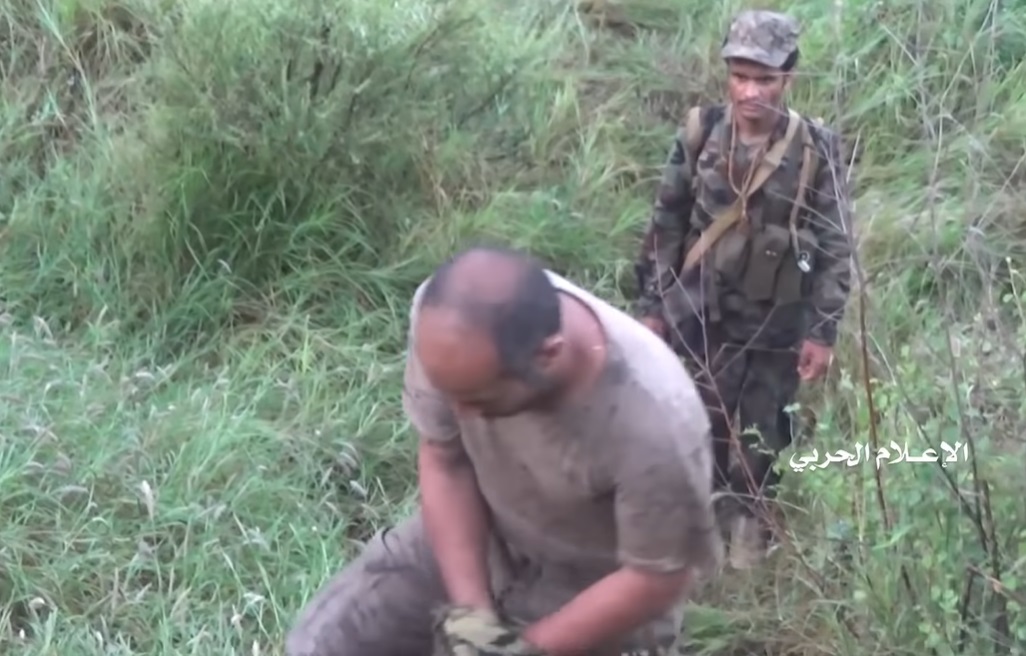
{"type": "Point", "coordinates": [765, 37]}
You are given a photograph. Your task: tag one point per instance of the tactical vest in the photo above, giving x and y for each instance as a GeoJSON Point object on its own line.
{"type": "Point", "coordinates": [771, 264]}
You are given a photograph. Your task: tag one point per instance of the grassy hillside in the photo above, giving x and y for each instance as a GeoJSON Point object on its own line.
{"type": "Point", "coordinates": [213, 214]}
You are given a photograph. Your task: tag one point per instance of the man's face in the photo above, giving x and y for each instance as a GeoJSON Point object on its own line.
{"type": "Point", "coordinates": [756, 90]}
{"type": "Point", "coordinates": [503, 396]}
{"type": "Point", "coordinates": [463, 365]}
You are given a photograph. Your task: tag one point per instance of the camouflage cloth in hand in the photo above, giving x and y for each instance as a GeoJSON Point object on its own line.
{"type": "Point", "coordinates": [469, 632]}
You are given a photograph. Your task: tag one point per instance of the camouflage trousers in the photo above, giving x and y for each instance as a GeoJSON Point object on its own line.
{"type": "Point", "coordinates": [755, 384]}
{"type": "Point", "coordinates": [382, 603]}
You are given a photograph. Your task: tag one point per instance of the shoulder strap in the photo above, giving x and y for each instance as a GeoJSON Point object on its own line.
{"type": "Point", "coordinates": [726, 219]}
{"type": "Point", "coordinates": [693, 133]}
{"type": "Point", "coordinates": [810, 160]}
{"type": "Point", "coordinates": [698, 125]}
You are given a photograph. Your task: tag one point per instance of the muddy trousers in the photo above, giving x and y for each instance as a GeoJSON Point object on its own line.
{"type": "Point", "coordinates": [756, 385]}
{"type": "Point", "coordinates": [381, 604]}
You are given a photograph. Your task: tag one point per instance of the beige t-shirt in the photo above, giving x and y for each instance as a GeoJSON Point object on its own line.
{"type": "Point", "coordinates": [621, 476]}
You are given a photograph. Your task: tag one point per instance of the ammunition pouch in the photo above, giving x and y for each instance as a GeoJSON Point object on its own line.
{"type": "Point", "coordinates": [765, 266]}
{"type": "Point", "coordinates": [730, 257]}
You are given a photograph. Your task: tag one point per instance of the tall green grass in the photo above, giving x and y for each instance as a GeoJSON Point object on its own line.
{"type": "Point", "coordinates": [213, 214]}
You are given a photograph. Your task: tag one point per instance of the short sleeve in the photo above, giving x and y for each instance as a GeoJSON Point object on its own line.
{"type": "Point", "coordinates": [428, 411]}
{"type": "Point", "coordinates": [664, 507]}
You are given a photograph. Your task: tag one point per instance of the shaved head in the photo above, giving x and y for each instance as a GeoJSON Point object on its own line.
{"type": "Point", "coordinates": [488, 324]}
{"type": "Point", "coordinates": [502, 293]}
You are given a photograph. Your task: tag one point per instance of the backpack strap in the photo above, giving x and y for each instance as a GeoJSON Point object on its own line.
{"type": "Point", "coordinates": [730, 215]}
{"type": "Point", "coordinates": [698, 125]}
{"type": "Point", "coordinates": [694, 135]}
{"type": "Point", "coordinates": [810, 160]}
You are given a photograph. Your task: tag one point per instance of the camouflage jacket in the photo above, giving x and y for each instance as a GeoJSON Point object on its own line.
{"type": "Point", "coordinates": [691, 193]}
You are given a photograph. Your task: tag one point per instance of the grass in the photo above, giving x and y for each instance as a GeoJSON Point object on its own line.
{"type": "Point", "coordinates": [213, 215]}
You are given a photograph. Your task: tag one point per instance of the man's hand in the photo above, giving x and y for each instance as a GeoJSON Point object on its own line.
{"type": "Point", "coordinates": [656, 325]}
{"type": "Point", "coordinates": [814, 360]}
{"type": "Point", "coordinates": [463, 631]}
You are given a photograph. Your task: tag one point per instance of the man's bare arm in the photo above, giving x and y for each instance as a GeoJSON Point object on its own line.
{"type": "Point", "coordinates": [456, 522]}
{"type": "Point", "coordinates": [454, 512]}
{"type": "Point", "coordinates": [607, 610]}
{"type": "Point", "coordinates": [667, 537]}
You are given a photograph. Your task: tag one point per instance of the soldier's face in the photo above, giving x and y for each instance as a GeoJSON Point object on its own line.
{"type": "Point", "coordinates": [756, 91]}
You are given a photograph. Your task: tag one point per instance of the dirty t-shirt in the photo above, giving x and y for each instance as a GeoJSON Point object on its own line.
{"type": "Point", "coordinates": [620, 476]}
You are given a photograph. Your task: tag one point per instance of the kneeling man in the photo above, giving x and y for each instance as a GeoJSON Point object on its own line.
{"type": "Point", "coordinates": [565, 475]}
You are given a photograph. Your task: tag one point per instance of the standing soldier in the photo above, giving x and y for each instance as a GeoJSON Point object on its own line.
{"type": "Point", "coordinates": [745, 267]}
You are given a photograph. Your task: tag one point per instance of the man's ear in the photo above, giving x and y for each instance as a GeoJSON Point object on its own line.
{"type": "Point", "coordinates": [549, 350]}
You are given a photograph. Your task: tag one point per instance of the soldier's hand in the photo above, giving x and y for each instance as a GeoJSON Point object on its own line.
{"type": "Point", "coordinates": [464, 631]}
{"type": "Point", "coordinates": [656, 325]}
{"type": "Point", "coordinates": [814, 360]}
